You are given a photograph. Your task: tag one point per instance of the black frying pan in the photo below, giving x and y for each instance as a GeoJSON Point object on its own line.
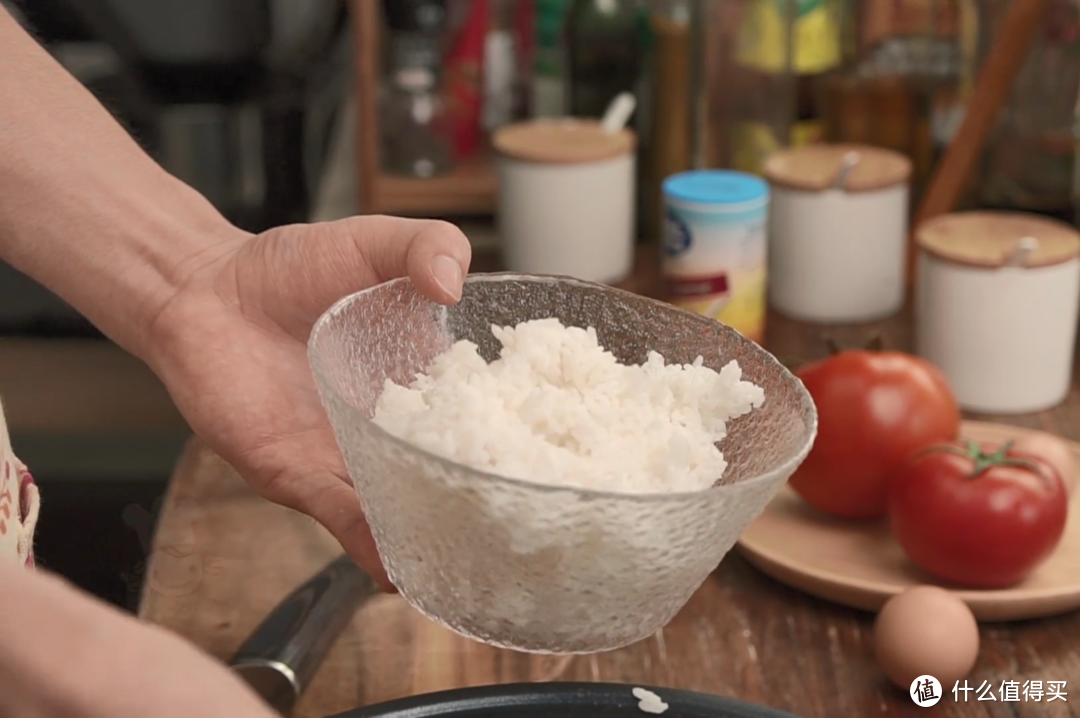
{"type": "Point", "coordinates": [560, 700]}
{"type": "Point", "coordinates": [283, 653]}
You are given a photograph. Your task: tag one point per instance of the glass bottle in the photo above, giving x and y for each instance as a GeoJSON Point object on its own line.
{"type": "Point", "coordinates": [1028, 162]}
{"type": "Point", "coordinates": [899, 87]}
{"type": "Point", "coordinates": [776, 53]}
{"type": "Point", "coordinates": [549, 69]}
{"type": "Point", "coordinates": [500, 67]}
{"type": "Point", "coordinates": [672, 102]}
{"type": "Point", "coordinates": [414, 16]}
{"type": "Point", "coordinates": [417, 134]}
{"type": "Point", "coordinates": [604, 43]}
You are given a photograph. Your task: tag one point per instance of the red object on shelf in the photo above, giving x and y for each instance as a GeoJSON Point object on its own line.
{"type": "Point", "coordinates": [464, 86]}
{"type": "Point", "coordinates": [525, 39]}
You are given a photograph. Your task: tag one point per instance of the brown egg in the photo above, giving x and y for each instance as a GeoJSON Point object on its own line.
{"type": "Point", "coordinates": [926, 631]}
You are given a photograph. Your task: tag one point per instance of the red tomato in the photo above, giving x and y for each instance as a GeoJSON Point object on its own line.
{"type": "Point", "coordinates": [975, 518]}
{"type": "Point", "coordinates": [875, 409]}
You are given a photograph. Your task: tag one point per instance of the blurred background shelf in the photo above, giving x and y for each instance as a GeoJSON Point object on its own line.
{"type": "Point", "coordinates": [470, 189]}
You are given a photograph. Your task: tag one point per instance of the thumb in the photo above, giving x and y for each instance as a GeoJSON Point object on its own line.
{"type": "Point", "coordinates": [302, 269]}
{"type": "Point", "coordinates": [434, 254]}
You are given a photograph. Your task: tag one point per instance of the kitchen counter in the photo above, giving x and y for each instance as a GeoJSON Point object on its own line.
{"type": "Point", "coordinates": [223, 558]}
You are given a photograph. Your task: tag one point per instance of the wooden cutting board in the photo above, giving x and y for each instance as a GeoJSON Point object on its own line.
{"type": "Point", "coordinates": [223, 558]}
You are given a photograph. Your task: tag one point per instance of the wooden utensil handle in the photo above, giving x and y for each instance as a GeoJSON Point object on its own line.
{"type": "Point", "coordinates": [1008, 53]}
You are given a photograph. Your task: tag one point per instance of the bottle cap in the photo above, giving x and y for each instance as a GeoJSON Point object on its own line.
{"type": "Point", "coordinates": [821, 167]}
{"type": "Point", "coordinates": [715, 187]}
{"type": "Point", "coordinates": [562, 141]}
{"type": "Point", "coordinates": [992, 239]}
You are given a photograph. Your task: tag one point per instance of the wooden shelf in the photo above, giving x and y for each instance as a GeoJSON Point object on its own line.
{"type": "Point", "coordinates": [80, 386]}
{"type": "Point", "coordinates": [471, 188]}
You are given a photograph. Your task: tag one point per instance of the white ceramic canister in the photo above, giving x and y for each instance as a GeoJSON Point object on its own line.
{"type": "Point", "coordinates": [996, 305]}
{"type": "Point", "coordinates": [715, 247]}
{"type": "Point", "coordinates": [566, 199]}
{"type": "Point", "coordinates": [838, 232]}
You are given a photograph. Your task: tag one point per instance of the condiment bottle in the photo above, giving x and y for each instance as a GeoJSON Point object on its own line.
{"type": "Point", "coordinates": [673, 97]}
{"type": "Point", "coordinates": [549, 70]}
{"type": "Point", "coordinates": [566, 198]}
{"type": "Point", "coordinates": [997, 301]}
{"type": "Point", "coordinates": [418, 138]}
{"type": "Point", "coordinates": [781, 50]}
{"type": "Point", "coordinates": [715, 247]}
{"type": "Point", "coordinates": [837, 232]}
{"type": "Point", "coordinates": [604, 43]}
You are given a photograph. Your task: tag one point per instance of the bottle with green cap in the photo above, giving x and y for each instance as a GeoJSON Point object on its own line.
{"type": "Point", "coordinates": [605, 52]}
{"type": "Point", "coordinates": [549, 68]}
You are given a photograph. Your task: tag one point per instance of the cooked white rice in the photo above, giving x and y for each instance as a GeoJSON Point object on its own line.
{"type": "Point", "coordinates": [557, 408]}
{"type": "Point", "coordinates": [649, 702]}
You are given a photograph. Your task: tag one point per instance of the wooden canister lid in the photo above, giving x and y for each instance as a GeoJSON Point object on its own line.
{"type": "Point", "coordinates": [819, 167]}
{"type": "Point", "coordinates": [562, 141]}
{"type": "Point", "coordinates": [990, 239]}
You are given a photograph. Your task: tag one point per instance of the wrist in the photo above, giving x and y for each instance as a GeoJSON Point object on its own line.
{"type": "Point", "coordinates": [116, 254]}
{"type": "Point", "coordinates": [121, 263]}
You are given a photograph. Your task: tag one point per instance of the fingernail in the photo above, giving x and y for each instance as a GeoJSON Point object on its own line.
{"type": "Point", "coordinates": [447, 273]}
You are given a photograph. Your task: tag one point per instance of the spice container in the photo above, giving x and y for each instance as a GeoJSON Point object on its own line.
{"type": "Point", "coordinates": [837, 232]}
{"type": "Point", "coordinates": [566, 199]}
{"type": "Point", "coordinates": [417, 130]}
{"type": "Point", "coordinates": [715, 247]}
{"type": "Point", "coordinates": [997, 300]}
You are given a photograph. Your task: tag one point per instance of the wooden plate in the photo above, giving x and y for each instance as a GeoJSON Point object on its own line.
{"type": "Point", "coordinates": [859, 564]}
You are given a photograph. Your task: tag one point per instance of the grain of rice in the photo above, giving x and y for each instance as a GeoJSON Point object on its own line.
{"type": "Point", "coordinates": [649, 702]}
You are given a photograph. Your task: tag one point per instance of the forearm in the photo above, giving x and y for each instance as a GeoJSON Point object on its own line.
{"type": "Point", "coordinates": [83, 209]}
{"type": "Point", "coordinates": [65, 655]}
{"type": "Point", "coordinates": [41, 644]}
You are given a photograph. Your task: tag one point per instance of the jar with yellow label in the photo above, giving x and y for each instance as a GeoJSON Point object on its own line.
{"type": "Point", "coordinates": [778, 51]}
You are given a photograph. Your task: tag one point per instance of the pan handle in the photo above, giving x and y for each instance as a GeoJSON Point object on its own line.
{"type": "Point", "coordinates": [280, 657]}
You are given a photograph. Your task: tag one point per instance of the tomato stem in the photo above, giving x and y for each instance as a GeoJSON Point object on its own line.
{"type": "Point", "coordinates": [984, 461]}
{"type": "Point", "coordinates": [833, 345]}
{"type": "Point", "coordinates": [876, 343]}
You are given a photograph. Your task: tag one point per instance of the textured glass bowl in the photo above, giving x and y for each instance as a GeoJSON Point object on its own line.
{"type": "Point", "coordinates": [523, 565]}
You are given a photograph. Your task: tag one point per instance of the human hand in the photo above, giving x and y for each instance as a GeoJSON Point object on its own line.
{"type": "Point", "coordinates": [231, 348]}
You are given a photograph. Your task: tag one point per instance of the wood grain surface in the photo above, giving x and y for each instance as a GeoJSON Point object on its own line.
{"type": "Point", "coordinates": [222, 559]}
